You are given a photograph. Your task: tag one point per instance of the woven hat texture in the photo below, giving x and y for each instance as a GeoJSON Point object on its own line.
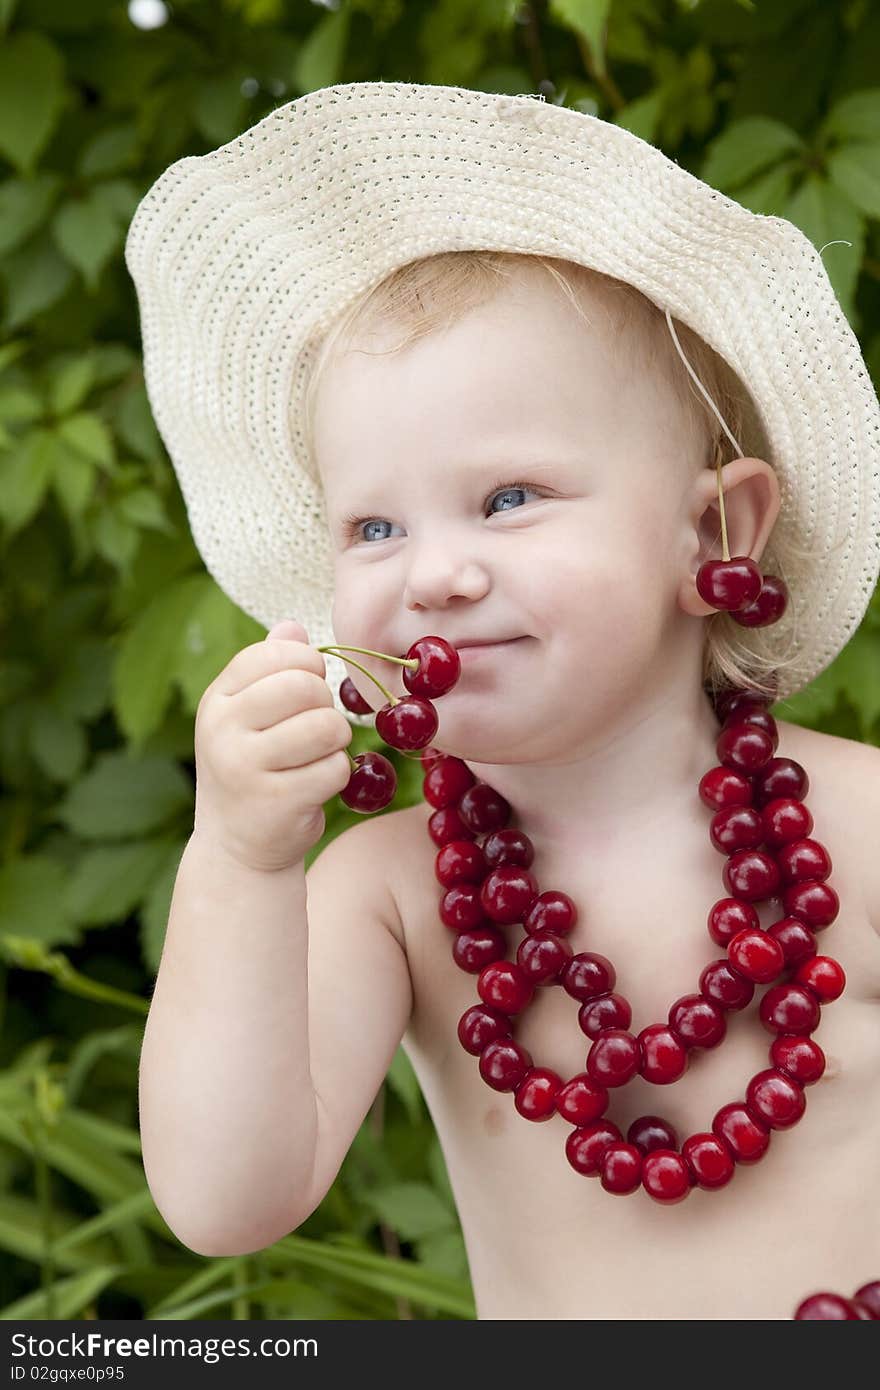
{"type": "Point", "coordinates": [242, 258]}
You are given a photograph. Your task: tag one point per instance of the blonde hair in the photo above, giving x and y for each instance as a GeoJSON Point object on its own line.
{"type": "Point", "coordinates": [435, 291]}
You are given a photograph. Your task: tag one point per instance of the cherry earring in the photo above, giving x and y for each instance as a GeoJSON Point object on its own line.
{"type": "Point", "coordinates": [736, 584]}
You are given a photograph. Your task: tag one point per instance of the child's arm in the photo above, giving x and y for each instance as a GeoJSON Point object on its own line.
{"type": "Point", "coordinates": [268, 1036]}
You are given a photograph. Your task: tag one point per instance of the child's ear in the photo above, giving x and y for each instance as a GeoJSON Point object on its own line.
{"type": "Point", "coordinates": [751, 505]}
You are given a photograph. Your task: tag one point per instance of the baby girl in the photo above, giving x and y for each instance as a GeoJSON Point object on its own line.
{"type": "Point", "coordinates": [510, 454]}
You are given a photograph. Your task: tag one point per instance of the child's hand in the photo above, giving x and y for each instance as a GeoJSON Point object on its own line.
{"type": "Point", "coordinates": [269, 751]}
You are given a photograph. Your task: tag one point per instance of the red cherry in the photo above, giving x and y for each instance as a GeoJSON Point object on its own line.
{"type": "Point", "coordinates": [708, 1159]}
{"type": "Point", "coordinates": [785, 819]}
{"type": "Point", "coordinates": [446, 780]}
{"type": "Point", "coordinates": [460, 860]}
{"type": "Point", "coordinates": [666, 1176]}
{"type": "Point", "coordinates": [536, 1094]}
{"type": "Point", "coordinates": [614, 1058]}
{"type": "Point", "coordinates": [803, 859]}
{"type": "Point", "coordinates": [438, 669]}
{"type": "Point", "coordinates": [753, 875]}
{"type": "Point", "coordinates": [774, 1099]}
{"type": "Point", "coordinates": [372, 783]}
{"type": "Point", "coordinates": [780, 777]}
{"type": "Point", "coordinates": [736, 827]}
{"type": "Point", "coordinates": [542, 956]}
{"type": "Point", "coordinates": [697, 1022]}
{"type": "Point", "coordinates": [663, 1058]}
{"type": "Point", "coordinates": [729, 584]}
{"type": "Point", "coordinates": [508, 847]}
{"type": "Point", "coordinates": [759, 719]}
{"type": "Point", "coordinates": [581, 1100]}
{"type": "Point", "coordinates": [767, 607]}
{"type": "Point", "coordinates": [868, 1298]}
{"type": "Point", "coordinates": [588, 974]}
{"type": "Point", "coordinates": [724, 986]}
{"type": "Point", "coordinates": [813, 902]}
{"type": "Point", "coordinates": [507, 893]}
{"type": "Point", "coordinates": [824, 976]}
{"type": "Point", "coordinates": [503, 1064]}
{"type": "Point", "coordinates": [745, 1136]}
{"type": "Point", "coordinates": [744, 748]}
{"type": "Point", "coordinates": [408, 723]}
{"type": "Point", "coordinates": [505, 985]}
{"type": "Point", "coordinates": [757, 956]}
{"type": "Point", "coordinates": [797, 941]}
{"type": "Point", "coordinates": [446, 824]}
{"type": "Point", "coordinates": [473, 949]}
{"type": "Point", "coordinates": [734, 701]}
{"type": "Point", "coordinates": [650, 1132]}
{"type": "Point", "coordinates": [721, 788]}
{"type": "Point", "coordinates": [352, 698]}
{"type": "Point", "coordinates": [480, 1025]}
{"type": "Point", "coordinates": [621, 1170]}
{"type": "Point", "coordinates": [585, 1147]}
{"type": "Point", "coordinates": [826, 1307]}
{"type": "Point", "coordinates": [460, 907]}
{"type": "Point", "coordinates": [789, 1009]}
{"type": "Point", "coordinates": [729, 916]}
{"type": "Point", "coordinates": [483, 809]}
{"type": "Point", "coordinates": [551, 911]}
{"type": "Point", "coordinates": [800, 1058]}
{"type": "Point", "coordinates": [605, 1011]}
{"type": "Point", "coordinates": [430, 756]}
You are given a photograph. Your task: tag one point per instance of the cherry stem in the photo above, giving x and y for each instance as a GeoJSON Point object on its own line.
{"type": "Point", "coordinates": [392, 699]}
{"type": "Point", "coordinates": [725, 553]}
{"type": "Point", "coordinates": [412, 663]}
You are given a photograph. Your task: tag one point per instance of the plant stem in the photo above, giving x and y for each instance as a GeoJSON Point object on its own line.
{"type": "Point", "coordinates": [392, 699]}
{"type": "Point", "coordinates": [725, 553]}
{"type": "Point", "coordinates": [412, 663]}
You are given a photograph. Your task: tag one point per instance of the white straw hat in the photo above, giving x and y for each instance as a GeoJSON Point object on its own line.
{"type": "Point", "coordinates": [243, 257]}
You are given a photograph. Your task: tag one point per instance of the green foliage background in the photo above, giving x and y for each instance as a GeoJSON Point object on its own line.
{"type": "Point", "coordinates": [111, 629]}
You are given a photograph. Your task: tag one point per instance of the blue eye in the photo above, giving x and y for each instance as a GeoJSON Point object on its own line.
{"type": "Point", "coordinates": [358, 528]}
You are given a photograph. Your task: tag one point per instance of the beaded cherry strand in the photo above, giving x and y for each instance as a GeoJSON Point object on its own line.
{"type": "Point", "coordinates": [483, 865]}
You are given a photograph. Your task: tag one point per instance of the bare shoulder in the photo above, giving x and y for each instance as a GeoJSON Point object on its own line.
{"type": "Point", "coordinates": [368, 856]}
{"type": "Point", "coordinates": [845, 792]}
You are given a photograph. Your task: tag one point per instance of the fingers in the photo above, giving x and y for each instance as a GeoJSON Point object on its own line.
{"type": "Point", "coordinates": [262, 658]}
{"type": "Point", "coordinates": [305, 738]}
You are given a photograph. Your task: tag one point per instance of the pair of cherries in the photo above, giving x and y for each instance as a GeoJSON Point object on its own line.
{"type": "Point", "coordinates": [431, 668]}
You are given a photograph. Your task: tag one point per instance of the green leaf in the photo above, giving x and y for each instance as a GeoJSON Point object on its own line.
{"type": "Point", "coordinates": [745, 148]}
{"type": "Point", "coordinates": [82, 685]}
{"type": "Point", "coordinates": [71, 1297]}
{"type": "Point", "coordinates": [404, 1082]}
{"type": "Point", "coordinates": [133, 422]}
{"type": "Point", "coordinates": [56, 740]}
{"type": "Point", "coordinates": [855, 117]}
{"type": "Point", "coordinates": [71, 382]}
{"type": "Point", "coordinates": [151, 654]}
{"type": "Point", "coordinates": [444, 1252]}
{"type": "Point", "coordinates": [855, 170]}
{"type": "Point", "coordinates": [33, 901]}
{"type": "Point", "coordinates": [88, 233]}
{"type": "Point", "coordinates": [124, 795]}
{"type": "Point", "coordinates": [110, 881]}
{"type": "Point", "coordinates": [24, 205]}
{"type": "Point", "coordinates": [88, 435]}
{"type": "Point", "coordinates": [641, 116]}
{"type": "Point", "coordinates": [110, 151]}
{"type": "Point", "coordinates": [18, 405]}
{"type": "Point", "coordinates": [319, 61]}
{"type": "Point", "coordinates": [412, 1209]}
{"type": "Point", "coordinates": [143, 507]}
{"type": "Point", "coordinates": [31, 96]}
{"type": "Point", "coordinates": [825, 215]}
{"type": "Point", "coordinates": [25, 474]}
{"type": "Point", "coordinates": [588, 18]}
{"type": "Point", "coordinates": [73, 480]}
{"type": "Point", "coordinates": [768, 194]}
{"type": "Point", "coordinates": [157, 905]}
{"type": "Point", "coordinates": [36, 277]}
{"type": "Point", "coordinates": [219, 108]}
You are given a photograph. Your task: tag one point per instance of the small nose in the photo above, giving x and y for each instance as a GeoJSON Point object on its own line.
{"type": "Point", "coordinates": [440, 573]}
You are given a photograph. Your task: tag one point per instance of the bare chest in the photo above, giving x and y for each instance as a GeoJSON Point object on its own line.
{"type": "Point", "coordinates": [645, 906]}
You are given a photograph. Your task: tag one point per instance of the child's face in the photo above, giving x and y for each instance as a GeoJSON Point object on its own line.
{"type": "Point", "coordinates": [430, 446]}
